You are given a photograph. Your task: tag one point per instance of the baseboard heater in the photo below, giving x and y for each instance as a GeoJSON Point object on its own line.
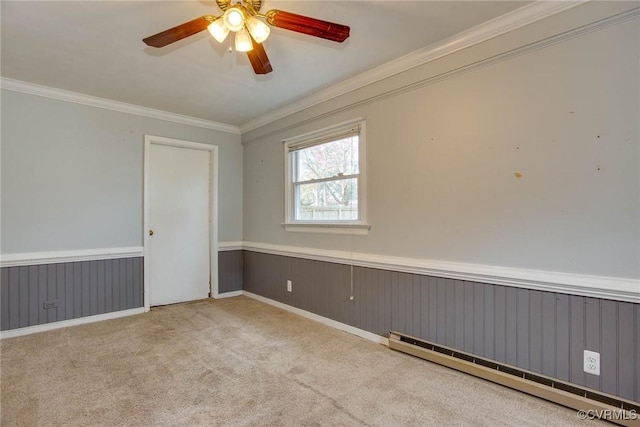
{"type": "Point", "coordinates": [597, 404]}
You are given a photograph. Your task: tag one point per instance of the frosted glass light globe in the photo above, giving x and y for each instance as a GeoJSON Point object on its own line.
{"type": "Point", "coordinates": [218, 30]}
{"type": "Point", "coordinates": [234, 19]}
{"type": "Point", "coordinates": [243, 41]}
{"type": "Point", "coordinates": [258, 29]}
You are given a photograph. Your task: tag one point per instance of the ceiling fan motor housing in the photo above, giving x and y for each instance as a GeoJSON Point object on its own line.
{"type": "Point", "coordinates": [252, 5]}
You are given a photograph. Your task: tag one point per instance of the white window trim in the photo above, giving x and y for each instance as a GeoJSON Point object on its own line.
{"type": "Point", "coordinates": [359, 227]}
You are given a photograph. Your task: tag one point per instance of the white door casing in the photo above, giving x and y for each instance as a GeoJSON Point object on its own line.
{"type": "Point", "coordinates": [180, 206]}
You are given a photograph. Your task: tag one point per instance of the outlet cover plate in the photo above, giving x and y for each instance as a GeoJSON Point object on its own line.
{"type": "Point", "coordinates": [591, 362]}
{"type": "Point", "coordinates": [50, 304]}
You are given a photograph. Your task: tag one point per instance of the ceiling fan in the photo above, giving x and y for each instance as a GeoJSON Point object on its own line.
{"type": "Point", "coordinates": [243, 18]}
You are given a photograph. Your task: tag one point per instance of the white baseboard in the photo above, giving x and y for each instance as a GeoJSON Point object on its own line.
{"type": "Point", "coordinates": [71, 322]}
{"type": "Point", "coordinates": [324, 320]}
{"type": "Point", "coordinates": [227, 294]}
{"type": "Point", "coordinates": [116, 314]}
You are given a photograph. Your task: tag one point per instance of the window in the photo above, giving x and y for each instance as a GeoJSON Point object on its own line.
{"type": "Point", "coordinates": [325, 178]}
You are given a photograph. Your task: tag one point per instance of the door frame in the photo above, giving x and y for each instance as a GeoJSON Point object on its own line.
{"type": "Point", "coordinates": [213, 207]}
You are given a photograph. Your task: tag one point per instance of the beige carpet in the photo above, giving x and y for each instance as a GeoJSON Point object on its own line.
{"type": "Point", "coordinates": [241, 362]}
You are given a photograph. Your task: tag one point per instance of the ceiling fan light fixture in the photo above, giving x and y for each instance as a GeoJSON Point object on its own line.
{"type": "Point", "coordinates": [233, 19]}
{"type": "Point", "coordinates": [218, 30]}
{"type": "Point", "coordinates": [258, 29]}
{"type": "Point", "coordinates": [243, 41]}
{"type": "Point", "coordinates": [250, 28]}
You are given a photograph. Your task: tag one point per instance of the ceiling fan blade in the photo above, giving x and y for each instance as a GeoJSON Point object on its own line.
{"type": "Point", "coordinates": [259, 59]}
{"type": "Point", "coordinates": [311, 26]}
{"type": "Point", "coordinates": [179, 32]}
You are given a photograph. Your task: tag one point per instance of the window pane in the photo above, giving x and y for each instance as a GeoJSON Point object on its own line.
{"type": "Point", "coordinates": [331, 201]}
{"type": "Point", "coordinates": [327, 160]}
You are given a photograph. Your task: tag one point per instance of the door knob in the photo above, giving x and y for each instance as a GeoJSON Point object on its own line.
{"type": "Point", "coordinates": [150, 232]}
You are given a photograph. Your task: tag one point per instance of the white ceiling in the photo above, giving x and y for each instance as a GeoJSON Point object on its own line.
{"type": "Point", "coordinates": [96, 48]}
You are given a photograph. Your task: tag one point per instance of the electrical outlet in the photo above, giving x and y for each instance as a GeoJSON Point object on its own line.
{"type": "Point", "coordinates": [591, 362]}
{"type": "Point", "coordinates": [289, 286]}
{"type": "Point", "coordinates": [50, 304]}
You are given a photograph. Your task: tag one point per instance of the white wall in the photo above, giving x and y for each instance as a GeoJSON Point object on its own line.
{"type": "Point", "coordinates": [72, 175]}
{"type": "Point", "coordinates": [442, 155]}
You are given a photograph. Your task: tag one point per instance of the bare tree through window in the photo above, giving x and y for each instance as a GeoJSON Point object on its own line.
{"type": "Point", "coordinates": [327, 180]}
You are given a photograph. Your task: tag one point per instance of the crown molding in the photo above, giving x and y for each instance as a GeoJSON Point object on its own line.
{"type": "Point", "coordinates": [500, 25]}
{"type": "Point", "coordinates": [503, 24]}
{"type": "Point", "coordinates": [107, 104]}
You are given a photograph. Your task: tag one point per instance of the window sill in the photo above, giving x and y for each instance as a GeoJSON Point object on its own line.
{"type": "Point", "coordinates": [328, 228]}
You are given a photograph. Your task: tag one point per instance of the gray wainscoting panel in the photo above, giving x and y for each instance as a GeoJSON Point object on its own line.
{"type": "Point", "coordinates": [75, 289]}
{"type": "Point", "coordinates": [544, 332]}
{"type": "Point", "coordinates": [230, 271]}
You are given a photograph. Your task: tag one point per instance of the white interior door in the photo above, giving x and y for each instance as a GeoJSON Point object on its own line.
{"type": "Point", "coordinates": [178, 197]}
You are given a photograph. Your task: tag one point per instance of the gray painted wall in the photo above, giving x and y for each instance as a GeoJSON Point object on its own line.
{"type": "Point", "coordinates": [72, 175]}
{"type": "Point", "coordinates": [444, 143]}
{"type": "Point", "coordinates": [543, 332]}
{"type": "Point", "coordinates": [79, 289]}
{"type": "Point", "coordinates": [230, 271]}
